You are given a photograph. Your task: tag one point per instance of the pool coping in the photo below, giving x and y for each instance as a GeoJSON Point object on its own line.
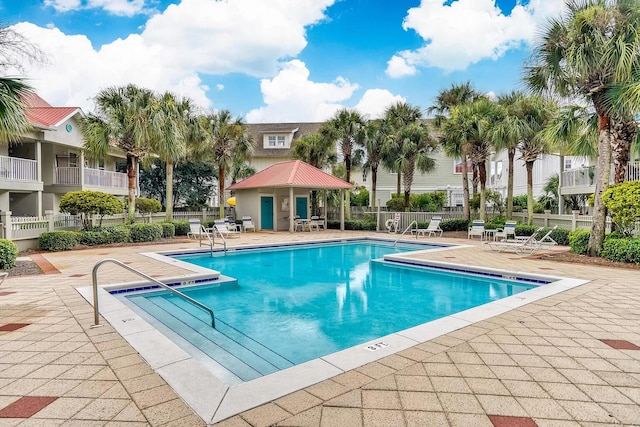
{"type": "Point", "coordinates": [214, 401]}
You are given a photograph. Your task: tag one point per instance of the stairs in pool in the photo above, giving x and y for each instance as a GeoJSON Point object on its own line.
{"type": "Point", "coordinates": [238, 353]}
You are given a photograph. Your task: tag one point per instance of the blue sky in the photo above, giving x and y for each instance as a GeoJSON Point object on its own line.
{"type": "Point", "coordinates": [279, 60]}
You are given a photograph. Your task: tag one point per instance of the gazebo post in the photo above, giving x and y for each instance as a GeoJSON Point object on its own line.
{"type": "Point", "coordinates": [341, 209]}
{"type": "Point", "coordinates": [326, 212]}
{"type": "Point", "coordinates": [291, 210]}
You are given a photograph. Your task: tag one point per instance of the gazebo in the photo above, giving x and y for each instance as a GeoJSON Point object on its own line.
{"type": "Point", "coordinates": [274, 196]}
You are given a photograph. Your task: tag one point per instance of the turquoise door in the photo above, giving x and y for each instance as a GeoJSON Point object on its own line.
{"type": "Point", "coordinates": [266, 213]}
{"type": "Point", "coordinates": [301, 207]}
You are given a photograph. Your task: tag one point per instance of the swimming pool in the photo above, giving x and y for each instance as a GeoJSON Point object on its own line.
{"type": "Point", "coordinates": [289, 305]}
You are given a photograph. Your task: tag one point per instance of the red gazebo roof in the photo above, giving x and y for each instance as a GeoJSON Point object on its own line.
{"type": "Point", "coordinates": [293, 173]}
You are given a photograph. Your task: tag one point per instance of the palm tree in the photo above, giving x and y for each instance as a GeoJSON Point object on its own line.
{"type": "Point", "coordinates": [448, 99]}
{"type": "Point", "coordinates": [416, 146]}
{"type": "Point", "coordinates": [13, 118]}
{"type": "Point", "coordinates": [344, 128]}
{"type": "Point", "coordinates": [319, 151]}
{"type": "Point", "coordinates": [397, 116]}
{"type": "Point", "coordinates": [124, 119]}
{"type": "Point", "coordinates": [178, 126]}
{"type": "Point", "coordinates": [586, 53]}
{"type": "Point", "coordinates": [226, 136]}
{"type": "Point", "coordinates": [375, 136]}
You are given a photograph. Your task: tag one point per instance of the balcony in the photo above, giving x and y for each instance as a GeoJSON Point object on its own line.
{"type": "Point", "coordinates": [92, 178]}
{"type": "Point", "coordinates": [17, 169]}
{"type": "Point", "coordinates": [586, 177]}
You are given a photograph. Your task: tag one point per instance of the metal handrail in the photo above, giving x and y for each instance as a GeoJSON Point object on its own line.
{"type": "Point", "coordinates": [209, 237]}
{"type": "Point", "coordinates": [405, 230]}
{"type": "Point", "coordinates": [141, 274]}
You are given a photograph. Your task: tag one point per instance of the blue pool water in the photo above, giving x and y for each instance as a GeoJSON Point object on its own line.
{"type": "Point", "coordinates": [293, 304]}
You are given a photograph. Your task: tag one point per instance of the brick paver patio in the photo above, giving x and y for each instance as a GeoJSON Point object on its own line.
{"type": "Point", "coordinates": [567, 360]}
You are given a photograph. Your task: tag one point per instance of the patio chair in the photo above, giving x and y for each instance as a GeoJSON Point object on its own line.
{"type": "Point", "coordinates": [3, 276]}
{"type": "Point", "coordinates": [528, 245]}
{"type": "Point", "coordinates": [197, 230]}
{"type": "Point", "coordinates": [298, 223]}
{"type": "Point", "coordinates": [392, 224]}
{"type": "Point", "coordinates": [314, 223]}
{"type": "Point", "coordinates": [508, 230]}
{"type": "Point", "coordinates": [432, 228]}
{"type": "Point", "coordinates": [247, 224]}
{"type": "Point", "coordinates": [221, 227]}
{"type": "Point", "coordinates": [476, 229]}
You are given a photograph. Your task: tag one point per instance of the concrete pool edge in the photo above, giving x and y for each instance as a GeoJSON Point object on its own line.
{"type": "Point", "coordinates": [214, 400]}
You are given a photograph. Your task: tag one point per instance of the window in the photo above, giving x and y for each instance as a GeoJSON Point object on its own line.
{"type": "Point", "coordinates": [567, 164]}
{"type": "Point", "coordinates": [276, 141]}
{"type": "Point", "coordinates": [457, 166]}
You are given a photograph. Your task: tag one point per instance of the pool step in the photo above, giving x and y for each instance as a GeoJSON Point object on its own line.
{"type": "Point", "coordinates": [233, 356]}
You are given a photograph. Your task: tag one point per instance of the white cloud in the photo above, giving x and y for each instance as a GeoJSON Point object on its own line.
{"type": "Point", "coordinates": [115, 7]}
{"type": "Point", "coordinates": [176, 46]}
{"type": "Point", "coordinates": [463, 32]}
{"type": "Point", "coordinates": [397, 66]}
{"type": "Point", "coordinates": [374, 102]}
{"type": "Point", "coordinates": [220, 86]}
{"type": "Point", "coordinates": [63, 5]}
{"type": "Point", "coordinates": [290, 96]}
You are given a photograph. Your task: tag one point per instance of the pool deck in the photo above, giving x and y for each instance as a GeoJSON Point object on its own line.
{"type": "Point", "coordinates": [572, 359]}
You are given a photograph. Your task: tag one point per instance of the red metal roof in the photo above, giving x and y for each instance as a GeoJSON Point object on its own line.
{"type": "Point", "coordinates": [40, 112]}
{"type": "Point", "coordinates": [293, 173]}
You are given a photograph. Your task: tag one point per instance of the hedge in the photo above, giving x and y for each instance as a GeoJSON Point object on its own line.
{"type": "Point", "coordinates": [145, 232]}
{"type": "Point", "coordinates": [182, 227]}
{"type": "Point", "coordinates": [8, 254]}
{"type": "Point", "coordinates": [168, 229]}
{"type": "Point", "coordinates": [621, 250]}
{"type": "Point", "coordinates": [454, 225]}
{"type": "Point", "coordinates": [105, 236]}
{"type": "Point", "coordinates": [55, 241]}
{"type": "Point", "coordinates": [352, 224]}
{"type": "Point", "coordinates": [579, 241]}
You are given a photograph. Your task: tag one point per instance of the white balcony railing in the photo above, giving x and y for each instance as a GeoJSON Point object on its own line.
{"type": "Point", "coordinates": [92, 177]}
{"type": "Point", "coordinates": [107, 179]}
{"type": "Point", "coordinates": [586, 177]}
{"type": "Point", "coordinates": [17, 169]}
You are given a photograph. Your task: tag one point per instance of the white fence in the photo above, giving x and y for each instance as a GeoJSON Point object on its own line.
{"type": "Point", "coordinates": [17, 169]}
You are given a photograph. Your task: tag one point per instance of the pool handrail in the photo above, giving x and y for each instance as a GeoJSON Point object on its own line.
{"type": "Point", "coordinates": [94, 274]}
{"type": "Point", "coordinates": [405, 230]}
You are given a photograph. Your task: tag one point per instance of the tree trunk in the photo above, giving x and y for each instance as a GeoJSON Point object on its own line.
{"type": "Point", "coordinates": [221, 189]}
{"type": "Point", "coordinates": [622, 135]}
{"type": "Point", "coordinates": [132, 173]}
{"type": "Point", "coordinates": [169, 191]}
{"type": "Point", "coordinates": [374, 184]}
{"type": "Point", "coordinates": [347, 204]}
{"type": "Point", "coordinates": [407, 178]}
{"type": "Point", "coordinates": [398, 183]}
{"type": "Point", "coordinates": [530, 201]}
{"type": "Point", "coordinates": [511, 153]}
{"type": "Point", "coordinates": [465, 186]}
{"type": "Point", "coordinates": [482, 178]}
{"type": "Point", "coordinates": [603, 171]}
{"type": "Point", "coordinates": [475, 179]}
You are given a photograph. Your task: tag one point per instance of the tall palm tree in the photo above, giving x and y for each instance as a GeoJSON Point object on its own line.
{"type": "Point", "coordinates": [225, 137]}
{"type": "Point", "coordinates": [446, 100]}
{"type": "Point", "coordinates": [13, 118]}
{"type": "Point", "coordinates": [376, 134]}
{"type": "Point", "coordinates": [344, 127]}
{"type": "Point", "coordinates": [178, 126]}
{"type": "Point", "coordinates": [396, 117]}
{"type": "Point", "coordinates": [124, 119]}
{"type": "Point", "coordinates": [319, 151]}
{"type": "Point", "coordinates": [504, 138]}
{"type": "Point", "coordinates": [586, 53]}
{"type": "Point", "coordinates": [416, 147]}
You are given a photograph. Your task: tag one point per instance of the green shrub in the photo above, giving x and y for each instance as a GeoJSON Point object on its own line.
{"type": "Point", "coordinates": [495, 223]}
{"type": "Point", "coordinates": [560, 235]}
{"type": "Point", "coordinates": [579, 241]}
{"type": "Point", "coordinates": [145, 232]}
{"type": "Point", "coordinates": [55, 241]}
{"type": "Point", "coordinates": [207, 224]}
{"type": "Point", "coordinates": [182, 227]}
{"type": "Point", "coordinates": [352, 224]}
{"type": "Point", "coordinates": [621, 250]}
{"type": "Point", "coordinates": [93, 238]}
{"type": "Point", "coordinates": [89, 203]}
{"type": "Point", "coordinates": [525, 229]}
{"type": "Point", "coordinates": [168, 229]}
{"type": "Point", "coordinates": [145, 205]}
{"type": "Point", "coordinates": [8, 254]}
{"type": "Point", "coordinates": [118, 234]}
{"type": "Point", "coordinates": [623, 202]}
{"type": "Point", "coordinates": [396, 204]}
{"type": "Point", "coordinates": [459, 224]}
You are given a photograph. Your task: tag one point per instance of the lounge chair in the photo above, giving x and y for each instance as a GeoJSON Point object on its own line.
{"type": "Point", "coordinates": [3, 276]}
{"type": "Point", "coordinates": [432, 228]}
{"type": "Point", "coordinates": [508, 230]}
{"type": "Point", "coordinates": [197, 230]}
{"type": "Point", "coordinates": [476, 229]}
{"type": "Point", "coordinates": [221, 227]}
{"type": "Point", "coordinates": [247, 224]}
{"type": "Point", "coordinates": [529, 245]}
